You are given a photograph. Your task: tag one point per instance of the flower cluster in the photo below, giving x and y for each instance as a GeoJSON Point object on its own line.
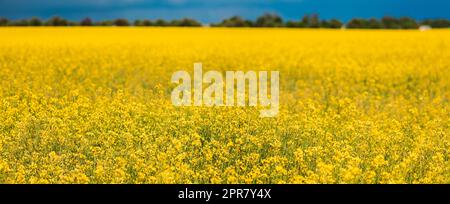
{"type": "Point", "coordinates": [92, 105]}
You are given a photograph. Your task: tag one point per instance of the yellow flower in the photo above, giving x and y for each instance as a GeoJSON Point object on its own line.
{"type": "Point", "coordinates": [93, 105]}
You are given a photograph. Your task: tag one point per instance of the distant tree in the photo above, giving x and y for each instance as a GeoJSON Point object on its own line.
{"type": "Point", "coordinates": [174, 22]}
{"type": "Point", "coordinates": [324, 24]}
{"type": "Point", "coordinates": [21, 22]}
{"type": "Point", "coordinates": [57, 21]}
{"type": "Point", "coordinates": [427, 22]}
{"type": "Point", "coordinates": [250, 23]}
{"type": "Point", "coordinates": [121, 22]}
{"type": "Point", "coordinates": [147, 22]}
{"type": "Point", "coordinates": [34, 21]}
{"type": "Point", "coordinates": [235, 21]}
{"type": "Point", "coordinates": [305, 20]}
{"type": "Point", "coordinates": [374, 23]}
{"type": "Point", "coordinates": [293, 24]}
{"type": "Point", "coordinates": [137, 22]}
{"type": "Point", "coordinates": [358, 23]}
{"type": "Point", "coordinates": [86, 22]}
{"type": "Point", "coordinates": [104, 23]}
{"type": "Point", "coordinates": [185, 22]}
{"type": "Point", "coordinates": [436, 23]}
{"type": "Point", "coordinates": [408, 23]}
{"type": "Point", "coordinates": [314, 21]}
{"type": "Point", "coordinates": [161, 22]}
{"type": "Point", "coordinates": [144, 22]}
{"type": "Point", "coordinates": [334, 23]}
{"type": "Point", "coordinates": [311, 21]}
{"type": "Point", "coordinates": [4, 21]}
{"type": "Point", "coordinates": [266, 20]}
{"type": "Point", "coordinates": [441, 23]}
{"type": "Point", "coordinates": [72, 23]}
{"type": "Point", "coordinates": [371, 23]}
{"type": "Point", "coordinates": [390, 23]}
{"type": "Point", "coordinates": [269, 20]}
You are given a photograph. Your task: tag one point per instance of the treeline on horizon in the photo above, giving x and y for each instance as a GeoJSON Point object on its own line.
{"type": "Point", "coordinates": [266, 20]}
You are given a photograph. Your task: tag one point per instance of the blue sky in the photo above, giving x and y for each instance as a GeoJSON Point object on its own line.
{"type": "Point", "coordinates": [214, 10]}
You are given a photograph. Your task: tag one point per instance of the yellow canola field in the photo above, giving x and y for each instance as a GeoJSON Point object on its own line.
{"type": "Point", "coordinates": [92, 105]}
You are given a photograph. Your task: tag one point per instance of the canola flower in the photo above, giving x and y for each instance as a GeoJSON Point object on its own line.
{"type": "Point", "coordinates": [92, 105]}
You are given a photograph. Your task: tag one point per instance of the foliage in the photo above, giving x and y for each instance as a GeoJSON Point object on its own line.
{"type": "Point", "coordinates": [86, 22]}
{"type": "Point", "coordinates": [235, 21]}
{"type": "Point", "coordinates": [269, 20]}
{"type": "Point", "coordinates": [266, 20]}
{"type": "Point", "coordinates": [57, 21]}
{"type": "Point", "coordinates": [121, 22]}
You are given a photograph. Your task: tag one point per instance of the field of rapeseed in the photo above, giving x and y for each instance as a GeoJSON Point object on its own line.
{"type": "Point", "coordinates": [92, 105]}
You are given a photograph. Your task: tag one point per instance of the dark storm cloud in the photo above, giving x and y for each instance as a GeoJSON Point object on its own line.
{"type": "Point", "coordinates": [214, 10]}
